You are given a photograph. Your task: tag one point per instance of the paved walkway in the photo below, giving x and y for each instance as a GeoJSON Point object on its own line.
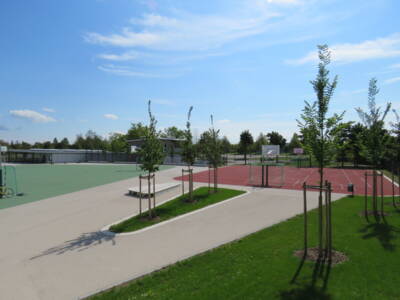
{"type": "Point", "coordinates": [53, 249]}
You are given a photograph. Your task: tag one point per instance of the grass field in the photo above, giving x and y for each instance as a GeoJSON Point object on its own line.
{"type": "Point", "coordinates": [262, 265]}
{"type": "Point", "coordinates": [41, 181]}
{"type": "Point", "coordinates": [177, 207]}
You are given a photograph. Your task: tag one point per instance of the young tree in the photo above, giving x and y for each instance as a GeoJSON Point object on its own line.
{"type": "Point", "coordinates": [376, 139]}
{"type": "Point", "coordinates": [396, 131]}
{"type": "Point", "coordinates": [189, 152]}
{"type": "Point", "coordinates": [317, 128]}
{"type": "Point", "coordinates": [374, 121]}
{"type": "Point", "coordinates": [246, 140]}
{"type": "Point", "coordinates": [210, 146]}
{"type": "Point", "coordinates": [151, 152]}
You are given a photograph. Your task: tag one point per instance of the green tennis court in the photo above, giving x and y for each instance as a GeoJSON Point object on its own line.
{"type": "Point", "coordinates": [42, 181]}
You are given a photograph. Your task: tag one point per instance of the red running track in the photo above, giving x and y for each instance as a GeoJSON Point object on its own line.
{"type": "Point", "coordinates": [294, 178]}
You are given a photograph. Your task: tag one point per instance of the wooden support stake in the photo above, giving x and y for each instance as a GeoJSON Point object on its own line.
{"type": "Point", "coordinates": [382, 196]}
{"type": "Point", "coordinates": [305, 219]}
{"type": "Point", "coordinates": [154, 191]}
{"type": "Point", "coordinates": [140, 195]}
{"type": "Point", "coordinates": [366, 196]}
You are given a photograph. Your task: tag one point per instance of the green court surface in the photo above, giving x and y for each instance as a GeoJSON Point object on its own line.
{"type": "Point", "coordinates": [41, 181]}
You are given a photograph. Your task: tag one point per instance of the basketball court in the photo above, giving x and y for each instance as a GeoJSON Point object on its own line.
{"type": "Point", "coordinates": [292, 178]}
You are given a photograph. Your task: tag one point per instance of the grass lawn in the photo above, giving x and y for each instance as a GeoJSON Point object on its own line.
{"type": "Point", "coordinates": [261, 265]}
{"type": "Point", "coordinates": [177, 207]}
{"type": "Point", "coordinates": [42, 181]}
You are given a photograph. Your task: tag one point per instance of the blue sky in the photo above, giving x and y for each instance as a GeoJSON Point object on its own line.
{"type": "Point", "coordinates": [71, 66]}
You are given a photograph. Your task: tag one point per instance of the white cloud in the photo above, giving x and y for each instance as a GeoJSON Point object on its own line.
{"type": "Point", "coordinates": [111, 116]}
{"type": "Point", "coordinates": [395, 66]}
{"type": "Point", "coordinates": [392, 80]}
{"type": "Point", "coordinates": [50, 110]}
{"type": "Point", "coordinates": [126, 39]}
{"type": "Point", "coordinates": [31, 115]}
{"type": "Point", "coordinates": [346, 53]}
{"type": "Point", "coordinates": [186, 31]}
{"type": "Point", "coordinates": [161, 40]}
{"type": "Point", "coordinates": [127, 71]}
{"type": "Point", "coordinates": [131, 55]}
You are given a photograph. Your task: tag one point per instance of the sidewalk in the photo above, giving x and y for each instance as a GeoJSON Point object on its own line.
{"type": "Point", "coordinates": [53, 249]}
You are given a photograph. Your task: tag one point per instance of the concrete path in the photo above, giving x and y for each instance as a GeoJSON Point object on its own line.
{"type": "Point", "coordinates": [53, 249]}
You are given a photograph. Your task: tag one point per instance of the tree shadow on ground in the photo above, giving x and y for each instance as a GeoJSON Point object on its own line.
{"type": "Point", "coordinates": [315, 288]}
{"type": "Point", "coordinates": [384, 232]}
{"type": "Point", "coordinates": [306, 292]}
{"type": "Point", "coordinates": [81, 243]}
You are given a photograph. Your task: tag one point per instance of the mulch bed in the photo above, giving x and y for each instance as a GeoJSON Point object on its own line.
{"type": "Point", "coordinates": [313, 255]}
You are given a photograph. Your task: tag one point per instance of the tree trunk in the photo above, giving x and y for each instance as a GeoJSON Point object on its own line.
{"type": "Point", "coordinates": [320, 203]}
{"type": "Point", "coordinates": [215, 180]}
{"type": "Point", "coordinates": [190, 171]}
{"type": "Point", "coordinates": [149, 195]}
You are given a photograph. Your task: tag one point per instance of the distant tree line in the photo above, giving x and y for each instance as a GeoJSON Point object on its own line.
{"type": "Point", "coordinates": [351, 142]}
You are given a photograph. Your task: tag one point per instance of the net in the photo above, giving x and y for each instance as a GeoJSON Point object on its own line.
{"type": "Point", "coordinates": [10, 179]}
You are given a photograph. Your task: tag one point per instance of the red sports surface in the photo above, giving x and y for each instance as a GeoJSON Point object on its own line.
{"type": "Point", "coordinates": [294, 178]}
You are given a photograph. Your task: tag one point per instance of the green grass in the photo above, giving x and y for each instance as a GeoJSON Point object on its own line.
{"type": "Point", "coordinates": [261, 265]}
{"type": "Point", "coordinates": [176, 207]}
{"type": "Point", "coordinates": [42, 181]}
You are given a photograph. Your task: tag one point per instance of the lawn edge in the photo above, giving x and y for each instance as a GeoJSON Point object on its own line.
{"type": "Point", "coordinates": [105, 229]}
{"type": "Point", "coordinates": [201, 252]}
